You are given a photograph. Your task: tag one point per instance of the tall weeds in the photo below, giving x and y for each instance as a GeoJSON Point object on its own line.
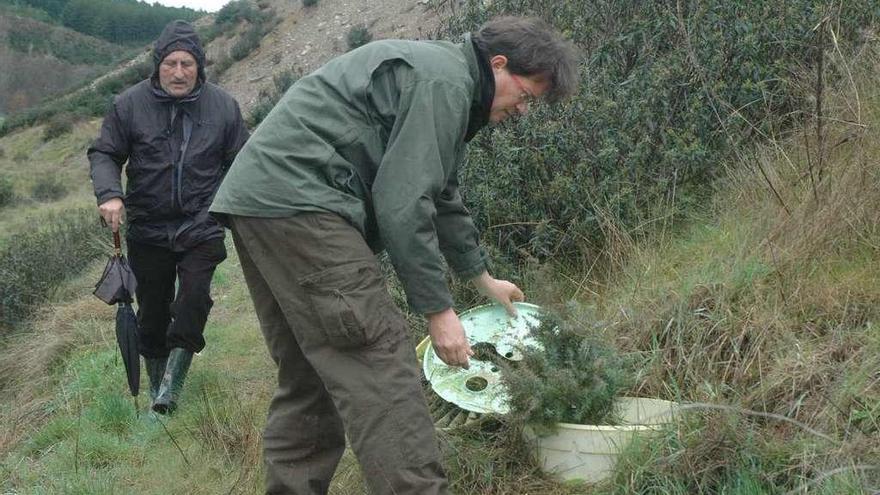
{"type": "Point", "coordinates": [767, 313]}
{"type": "Point", "coordinates": [32, 263]}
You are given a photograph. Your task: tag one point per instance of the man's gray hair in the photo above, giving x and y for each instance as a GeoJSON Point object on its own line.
{"type": "Point", "coordinates": [533, 48]}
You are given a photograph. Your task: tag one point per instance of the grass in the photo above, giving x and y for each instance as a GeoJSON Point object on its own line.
{"type": "Point", "coordinates": [62, 159]}
{"type": "Point", "coordinates": [766, 310]}
{"type": "Point", "coordinates": [762, 314]}
{"type": "Point", "coordinates": [91, 432]}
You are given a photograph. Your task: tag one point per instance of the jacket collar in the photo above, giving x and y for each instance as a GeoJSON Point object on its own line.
{"type": "Point", "coordinates": [484, 86]}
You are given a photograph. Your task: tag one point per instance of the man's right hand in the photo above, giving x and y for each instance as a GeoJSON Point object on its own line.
{"type": "Point", "coordinates": [112, 212]}
{"type": "Point", "coordinates": [448, 338]}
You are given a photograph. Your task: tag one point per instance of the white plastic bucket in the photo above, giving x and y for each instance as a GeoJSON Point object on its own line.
{"type": "Point", "coordinates": [589, 452]}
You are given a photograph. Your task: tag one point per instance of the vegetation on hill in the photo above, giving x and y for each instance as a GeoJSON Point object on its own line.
{"type": "Point", "coordinates": [126, 21]}
{"type": "Point", "coordinates": [55, 57]}
{"type": "Point", "coordinates": [93, 100]}
{"type": "Point", "coordinates": [49, 230]}
{"type": "Point", "coordinates": [669, 90]}
{"type": "Point", "coordinates": [710, 198]}
{"type": "Point", "coordinates": [31, 38]}
{"type": "Point", "coordinates": [259, 20]}
{"type": "Point", "coordinates": [89, 101]}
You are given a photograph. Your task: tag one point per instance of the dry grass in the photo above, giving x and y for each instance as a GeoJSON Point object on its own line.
{"type": "Point", "coordinates": [769, 309]}
{"type": "Point", "coordinates": [28, 360]}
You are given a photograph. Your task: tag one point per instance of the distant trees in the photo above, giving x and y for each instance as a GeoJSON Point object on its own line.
{"type": "Point", "coordinates": [119, 21]}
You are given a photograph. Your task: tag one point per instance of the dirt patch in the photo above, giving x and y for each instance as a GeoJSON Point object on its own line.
{"type": "Point", "coordinates": [307, 37]}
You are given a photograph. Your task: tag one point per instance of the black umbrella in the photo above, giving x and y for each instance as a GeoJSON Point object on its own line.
{"type": "Point", "coordinates": [117, 285]}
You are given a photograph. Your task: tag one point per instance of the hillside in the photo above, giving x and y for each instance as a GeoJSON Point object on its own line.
{"type": "Point", "coordinates": [47, 60]}
{"type": "Point", "coordinates": [306, 37]}
{"type": "Point", "coordinates": [707, 205]}
{"type": "Point", "coordinates": [66, 43]}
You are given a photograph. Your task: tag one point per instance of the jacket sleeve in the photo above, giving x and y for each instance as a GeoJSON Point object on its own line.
{"type": "Point", "coordinates": [236, 135]}
{"type": "Point", "coordinates": [420, 156]}
{"type": "Point", "coordinates": [459, 240]}
{"type": "Point", "coordinates": [107, 155]}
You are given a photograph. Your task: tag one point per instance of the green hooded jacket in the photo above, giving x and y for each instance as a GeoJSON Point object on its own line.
{"type": "Point", "coordinates": [376, 136]}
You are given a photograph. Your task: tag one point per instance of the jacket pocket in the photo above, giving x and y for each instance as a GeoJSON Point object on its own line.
{"type": "Point", "coordinates": [351, 304]}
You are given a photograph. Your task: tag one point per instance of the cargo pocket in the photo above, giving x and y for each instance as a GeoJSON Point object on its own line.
{"type": "Point", "coordinates": [351, 304]}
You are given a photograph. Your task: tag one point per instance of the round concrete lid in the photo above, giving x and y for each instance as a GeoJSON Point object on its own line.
{"type": "Point", "coordinates": [479, 388]}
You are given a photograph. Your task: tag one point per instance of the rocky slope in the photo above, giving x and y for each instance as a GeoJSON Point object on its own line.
{"type": "Point", "coordinates": [306, 37]}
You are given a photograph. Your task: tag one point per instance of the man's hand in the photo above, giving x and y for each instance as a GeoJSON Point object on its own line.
{"type": "Point", "coordinates": [112, 212]}
{"type": "Point", "coordinates": [448, 338]}
{"type": "Point", "coordinates": [500, 291]}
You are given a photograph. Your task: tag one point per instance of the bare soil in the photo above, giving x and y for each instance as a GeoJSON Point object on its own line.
{"type": "Point", "coordinates": [307, 37]}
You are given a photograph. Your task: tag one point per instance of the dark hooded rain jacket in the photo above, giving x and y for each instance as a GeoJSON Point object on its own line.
{"type": "Point", "coordinates": [177, 149]}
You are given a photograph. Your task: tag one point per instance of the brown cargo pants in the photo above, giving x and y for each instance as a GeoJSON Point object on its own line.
{"type": "Point", "coordinates": [346, 364]}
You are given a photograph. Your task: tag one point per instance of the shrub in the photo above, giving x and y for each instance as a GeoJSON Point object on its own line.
{"type": "Point", "coordinates": [209, 33]}
{"type": "Point", "coordinates": [310, 3]}
{"type": "Point", "coordinates": [656, 113]}
{"type": "Point", "coordinates": [219, 67]}
{"type": "Point", "coordinates": [358, 36]}
{"type": "Point", "coordinates": [7, 192]}
{"type": "Point", "coordinates": [284, 80]}
{"type": "Point", "coordinates": [261, 110]}
{"type": "Point", "coordinates": [58, 126]}
{"type": "Point", "coordinates": [49, 188]}
{"type": "Point", "coordinates": [573, 377]}
{"type": "Point", "coordinates": [33, 262]}
{"type": "Point", "coordinates": [236, 11]}
{"type": "Point", "coordinates": [248, 43]}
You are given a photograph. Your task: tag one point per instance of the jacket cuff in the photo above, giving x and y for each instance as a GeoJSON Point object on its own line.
{"type": "Point", "coordinates": [426, 296]}
{"type": "Point", "coordinates": [469, 264]}
{"type": "Point", "coordinates": [107, 196]}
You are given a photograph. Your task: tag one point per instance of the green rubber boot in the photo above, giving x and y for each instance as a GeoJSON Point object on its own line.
{"type": "Point", "coordinates": [172, 382]}
{"type": "Point", "coordinates": [155, 371]}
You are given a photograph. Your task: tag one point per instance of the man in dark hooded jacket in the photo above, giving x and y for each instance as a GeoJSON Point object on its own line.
{"type": "Point", "coordinates": [179, 135]}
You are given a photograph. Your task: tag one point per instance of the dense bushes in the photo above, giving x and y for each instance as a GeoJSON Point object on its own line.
{"type": "Point", "coordinates": [236, 11]}
{"type": "Point", "coordinates": [57, 127]}
{"type": "Point", "coordinates": [32, 263]}
{"type": "Point", "coordinates": [122, 22]}
{"type": "Point", "coordinates": [49, 188]}
{"type": "Point", "coordinates": [665, 94]}
{"type": "Point", "coordinates": [116, 21]}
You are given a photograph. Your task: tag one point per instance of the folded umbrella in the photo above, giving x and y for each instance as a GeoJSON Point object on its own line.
{"type": "Point", "coordinates": [117, 286]}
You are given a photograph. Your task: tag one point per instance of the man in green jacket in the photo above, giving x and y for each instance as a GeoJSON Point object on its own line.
{"type": "Point", "coordinates": [357, 157]}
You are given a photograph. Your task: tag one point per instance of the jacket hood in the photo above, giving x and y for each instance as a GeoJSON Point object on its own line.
{"type": "Point", "coordinates": [178, 35]}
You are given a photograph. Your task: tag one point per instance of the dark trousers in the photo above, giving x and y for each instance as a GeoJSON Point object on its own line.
{"type": "Point", "coordinates": [166, 320]}
{"type": "Point", "coordinates": [346, 364]}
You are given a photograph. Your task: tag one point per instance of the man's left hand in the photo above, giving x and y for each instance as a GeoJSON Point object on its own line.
{"type": "Point", "coordinates": [500, 291]}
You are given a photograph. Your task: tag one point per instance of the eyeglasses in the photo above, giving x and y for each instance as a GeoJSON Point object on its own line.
{"type": "Point", "coordinates": [524, 95]}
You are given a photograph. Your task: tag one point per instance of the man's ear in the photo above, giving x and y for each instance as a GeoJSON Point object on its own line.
{"type": "Point", "coordinates": [498, 62]}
